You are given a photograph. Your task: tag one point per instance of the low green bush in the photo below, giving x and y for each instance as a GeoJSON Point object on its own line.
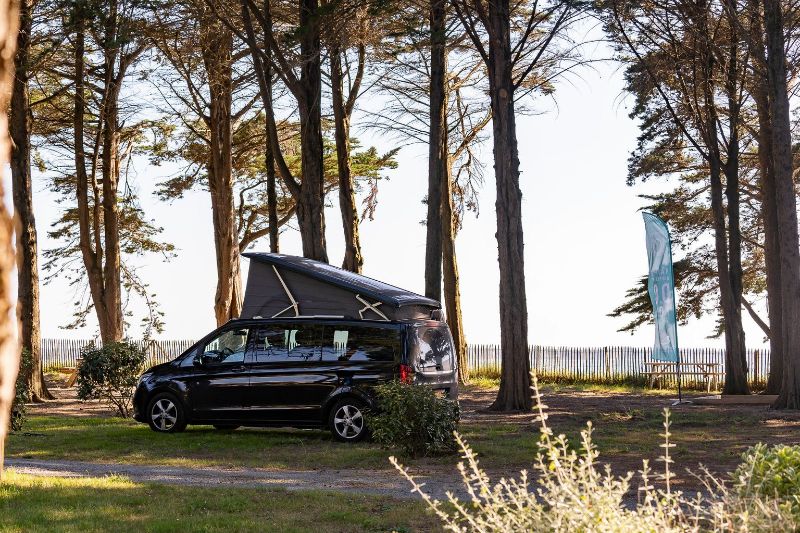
{"type": "Point", "coordinates": [414, 419]}
{"type": "Point", "coordinates": [771, 471]}
{"type": "Point", "coordinates": [110, 374]}
{"type": "Point", "coordinates": [22, 394]}
{"type": "Point", "coordinates": [570, 491]}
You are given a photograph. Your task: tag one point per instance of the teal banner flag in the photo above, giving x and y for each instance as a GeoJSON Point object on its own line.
{"type": "Point", "coordinates": [661, 286]}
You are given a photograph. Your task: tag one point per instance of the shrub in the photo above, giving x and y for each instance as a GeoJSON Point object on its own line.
{"type": "Point", "coordinates": [771, 472]}
{"type": "Point", "coordinates": [110, 373]}
{"type": "Point", "coordinates": [22, 394]}
{"type": "Point", "coordinates": [413, 419]}
{"type": "Point", "coordinates": [573, 493]}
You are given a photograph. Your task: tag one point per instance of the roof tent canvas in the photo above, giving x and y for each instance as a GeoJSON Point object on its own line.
{"type": "Point", "coordinates": [284, 286]}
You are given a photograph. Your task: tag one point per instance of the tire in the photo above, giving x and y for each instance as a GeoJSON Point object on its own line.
{"type": "Point", "coordinates": [346, 420]}
{"type": "Point", "coordinates": [165, 414]}
{"type": "Point", "coordinates": [226, 427]}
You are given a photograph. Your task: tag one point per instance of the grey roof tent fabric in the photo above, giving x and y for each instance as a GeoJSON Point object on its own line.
{"type": "Point", "coordinates": [286, 286]}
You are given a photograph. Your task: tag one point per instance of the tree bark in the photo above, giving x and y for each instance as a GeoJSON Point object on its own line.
{"type": "Point", "coordinates": [452, 290]}
{"type": "Point", "coordinates": [311, 204]}
{"type": "Point", "coordinates": [272, 199]}
{"type": "Point", "coordinates": [27, 247]}
{"type": "Point", "coordinates": [736, 367]}
{"type": "Point", "coordinates": [353, 259]}
{"type": "Point", "coordinates": [515, 383]}
{"type": "Point", "coordinates": [769, 213]}
{"type": "Point", "coordinates": [9, 346]}
{"type": "Point", "coordinates": [112, 286]}
{"type": "Point", "coordinates": [217, 45]}
{"type": "Point", "coordinates": [438, 149]}
{"type": "Point", "coordinates": [786, 203]}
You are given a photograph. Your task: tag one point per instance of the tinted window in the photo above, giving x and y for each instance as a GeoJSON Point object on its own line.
{"type": "Point", "coordinates": [358, 343]}
{"type": "Point", "coordinates": [228, 347]}
{"type": "Point", "coordinates": [432, 348]}
{"type": "Point", "coordinates": [286, 342]}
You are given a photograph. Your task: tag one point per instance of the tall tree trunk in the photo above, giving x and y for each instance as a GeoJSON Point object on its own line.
{"type": "Point", "coordinates": [515, 384]}
{"type": "Point", "coordinates": [769, 213]}
{"type": "Point", "coordinates": [452, 290]}
{"type": "Point", "coordinates": [269, 159]}
{"type": "Point", "coordinates": [112, 279]}
{"type": "Point", "coordinates": [217, 44]}
{"type": "Point", "coordinates": [92, 255]}
{"type": "Point", "coordinates": [438, 149]}
{"type": "Point", "coordinates": [353, 259]}
{"type": "Point", "coordinates": [786, 202]}
{"type": "Point", "coordinates": [311, 204]}
{"type": "Point", "coordinates": [736, 376]}
{"type": "Point", "coordinates": [27, 248]}
{"type": "Point", "coordinates": [735, 373]}
{"type": "Point", "coordinates": [272, 199]}
{"type": "Point", "coordinates": [9, 347]}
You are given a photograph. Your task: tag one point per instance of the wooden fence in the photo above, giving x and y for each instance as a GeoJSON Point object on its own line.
{"type": "Point", "coordinates": [601, 364]}
{"type": "Point", "coordinates": [62, 353]}
{"type": "Point", "coordinates": [609, 363]}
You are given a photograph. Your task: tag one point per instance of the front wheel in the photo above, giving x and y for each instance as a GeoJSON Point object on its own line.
{"type": "Point", "coordinates": [346, 420]}
{"type": "Point", "coordinates": [165, 414]}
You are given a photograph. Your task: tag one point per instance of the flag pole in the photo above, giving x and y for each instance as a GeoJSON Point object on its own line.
{"type": "Point", "coordinates": [675, 314]}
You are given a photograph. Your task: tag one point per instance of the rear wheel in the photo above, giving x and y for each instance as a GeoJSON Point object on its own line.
{"type": "Point", "coordinates": [165, 414]}
{"type": "Point", "coordinates": [226, 427]}
{"type": "Point", "coordinates": [346, 420]}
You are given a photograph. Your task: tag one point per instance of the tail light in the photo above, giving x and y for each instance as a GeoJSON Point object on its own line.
{"type": "Point", "coordinates": [406, 374]}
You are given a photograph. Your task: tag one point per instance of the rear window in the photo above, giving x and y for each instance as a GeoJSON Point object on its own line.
{"type": "Point", "coordinates": [431, 348]}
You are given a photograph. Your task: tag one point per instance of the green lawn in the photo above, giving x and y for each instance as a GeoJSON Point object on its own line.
{"type": "Point", "coordinates": [115, 440]}
{"type": "Point", "coordinates": [702, 436]}
{"type": "Point", "coordinates": [29, 504]}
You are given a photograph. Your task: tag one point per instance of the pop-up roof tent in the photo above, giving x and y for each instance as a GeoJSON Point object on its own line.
{"type": "Point", "coordinates": [285, 286]}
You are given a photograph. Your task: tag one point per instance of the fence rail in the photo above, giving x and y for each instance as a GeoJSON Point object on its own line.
{"type": "Point", "coordinates": [610, 363]}
{"type": "Point", "coordinates": [63, 353]}
{"type": "Point", "coordinates": [602, 363]}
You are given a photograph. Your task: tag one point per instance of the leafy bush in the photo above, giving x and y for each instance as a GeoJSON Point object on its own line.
{"type": "Point", "coordinates": [412, 418]}
{"type": "Point", "coordinates": [771, 472]}
{"type": "Point", "coordinates": [110, 373]}
{"type": "Point", "coordinates": [22, 394]}
{"type": "Point", "coordinates": [573, 493]}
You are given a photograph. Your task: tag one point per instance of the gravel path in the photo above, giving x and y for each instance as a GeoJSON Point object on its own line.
{"type": "Point", "coordinates": [385, 483]}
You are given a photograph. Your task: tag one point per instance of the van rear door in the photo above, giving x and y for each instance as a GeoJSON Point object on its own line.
{"type": "Point", "coordinates": [432, 354]}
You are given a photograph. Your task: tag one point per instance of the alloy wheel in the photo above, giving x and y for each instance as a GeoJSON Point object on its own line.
{"type": "Point", "coordinates": [348, 421]}
{"type": "Point", "coordinates": [164, 414]}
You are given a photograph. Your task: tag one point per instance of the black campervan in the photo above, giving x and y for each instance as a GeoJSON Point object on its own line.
{"type": "Point", "coordinates": [311, 343]}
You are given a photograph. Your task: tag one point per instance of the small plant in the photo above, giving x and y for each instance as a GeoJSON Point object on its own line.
{"type": "Point", "coordinates": [412, 418]}
{"type": "Point", "coordinates": [110, 373]}
{"type": "Point", "coordinates": [572, 492]}
{"type": "Point", "coordinates": [22, 394]}
{"type": "Point", "coordinates": [771, 471]}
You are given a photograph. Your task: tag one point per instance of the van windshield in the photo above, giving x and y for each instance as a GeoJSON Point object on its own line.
{"type": "Point", "coordinates": [431, 348]}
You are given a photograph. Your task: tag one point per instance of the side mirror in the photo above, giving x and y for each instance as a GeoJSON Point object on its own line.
{"type": "Point", "coordinates": [198, 361]}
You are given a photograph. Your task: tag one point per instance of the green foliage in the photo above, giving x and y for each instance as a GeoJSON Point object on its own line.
{"type": "Point", "coordinates": [571, 492]}
{"type": "Point", "coordinates": [110, 373]}
{"type": "Point", "coordinates": [414, 419]}
{"type": "Point", "coordinates": [772, 472]}
{"type": "Point", "coordinates": [22, 393]}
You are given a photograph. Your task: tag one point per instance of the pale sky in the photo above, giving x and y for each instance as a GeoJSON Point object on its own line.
{"type": "Point", "coordinates": [584, 238]}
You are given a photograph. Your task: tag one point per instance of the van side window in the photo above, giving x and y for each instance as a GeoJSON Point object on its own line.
{"type": "Point", "coordinates": [227, 348]}
{"type": "Point", "coordinates": [359, 343]}
{"type": "Point", "coordinates": [286, 342]}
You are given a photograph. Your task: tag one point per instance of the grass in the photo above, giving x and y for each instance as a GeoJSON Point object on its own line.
{"type": "Point", "coordinates": [702, 436]}
{"type": "Point", "coordinates": [114, 440]}
{"type": "Point", "coordinates": [30, 504]}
